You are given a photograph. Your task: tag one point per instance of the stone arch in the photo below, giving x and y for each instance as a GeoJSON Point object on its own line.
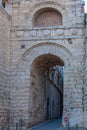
{"type": "Point", "coordinates": [47, 4]}
{"type": "Point", "coordinates": [45, 48]}
{"type": "Point", "coordinates": [39, 76]}
{"type": "Point", "coordinates": [47, 17]}
{"type": "Point", "coordinates": [23, 78]}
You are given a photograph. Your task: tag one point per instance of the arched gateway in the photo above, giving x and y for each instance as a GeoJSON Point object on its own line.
{"type": "Point", "coordinates": [30, 80]}
{"type": "Point", "coordinates": [43, 62]}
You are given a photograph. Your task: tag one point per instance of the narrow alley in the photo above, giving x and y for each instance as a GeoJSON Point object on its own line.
{"type": "Point", "coordinates": [49, 125]}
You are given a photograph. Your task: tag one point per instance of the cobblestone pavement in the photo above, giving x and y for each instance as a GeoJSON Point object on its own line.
{"type": "Point", "coordinates": [49, 125]}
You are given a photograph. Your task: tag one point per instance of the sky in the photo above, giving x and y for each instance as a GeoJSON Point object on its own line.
{"type": "Point", "coordinates": [85, 6]}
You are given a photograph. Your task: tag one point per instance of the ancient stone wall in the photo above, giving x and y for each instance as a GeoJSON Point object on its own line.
{"type": "Point", "coordinates": [24, 11]}
{"type": "Point", "coordinates": [4, 66]}
{"type": "Point", "coordinates": [66, 42]}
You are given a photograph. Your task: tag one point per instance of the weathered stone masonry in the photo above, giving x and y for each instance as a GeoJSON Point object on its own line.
{"type": "Point", "coordinates": [63, 43]}
{"type": "Point", "coordinates": [4, 66]}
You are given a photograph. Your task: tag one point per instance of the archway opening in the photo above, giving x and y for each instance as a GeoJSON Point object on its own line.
{"type": "Point", "coordinates": [4, 2]}
{"type": "Point", "coordinates": [46, 87]}
{"type": "Point", "coordinates": [47, 17]}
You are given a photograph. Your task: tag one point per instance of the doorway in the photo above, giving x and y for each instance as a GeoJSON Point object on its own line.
{"type": "Point", "coordinates": [46, 86]}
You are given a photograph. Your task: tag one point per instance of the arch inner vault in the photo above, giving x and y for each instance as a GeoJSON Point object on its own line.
{"type": "Point", "coordinates": [46, 86]}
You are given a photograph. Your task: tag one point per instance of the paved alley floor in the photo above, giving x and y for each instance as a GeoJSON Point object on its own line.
{"type": "Point", "coordinates": [48, 125]}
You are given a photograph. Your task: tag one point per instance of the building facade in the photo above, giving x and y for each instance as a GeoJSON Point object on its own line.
{"type": "Point", "coordinates": [36, 36]}
{"type": "Point", "coordinates": [54, 92]}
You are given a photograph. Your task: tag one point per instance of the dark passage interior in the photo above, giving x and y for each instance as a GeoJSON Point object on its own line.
{"type": "Point", "coordinates": [47, 75]}
{"type": "Point", "coordinates": [54, 92]}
